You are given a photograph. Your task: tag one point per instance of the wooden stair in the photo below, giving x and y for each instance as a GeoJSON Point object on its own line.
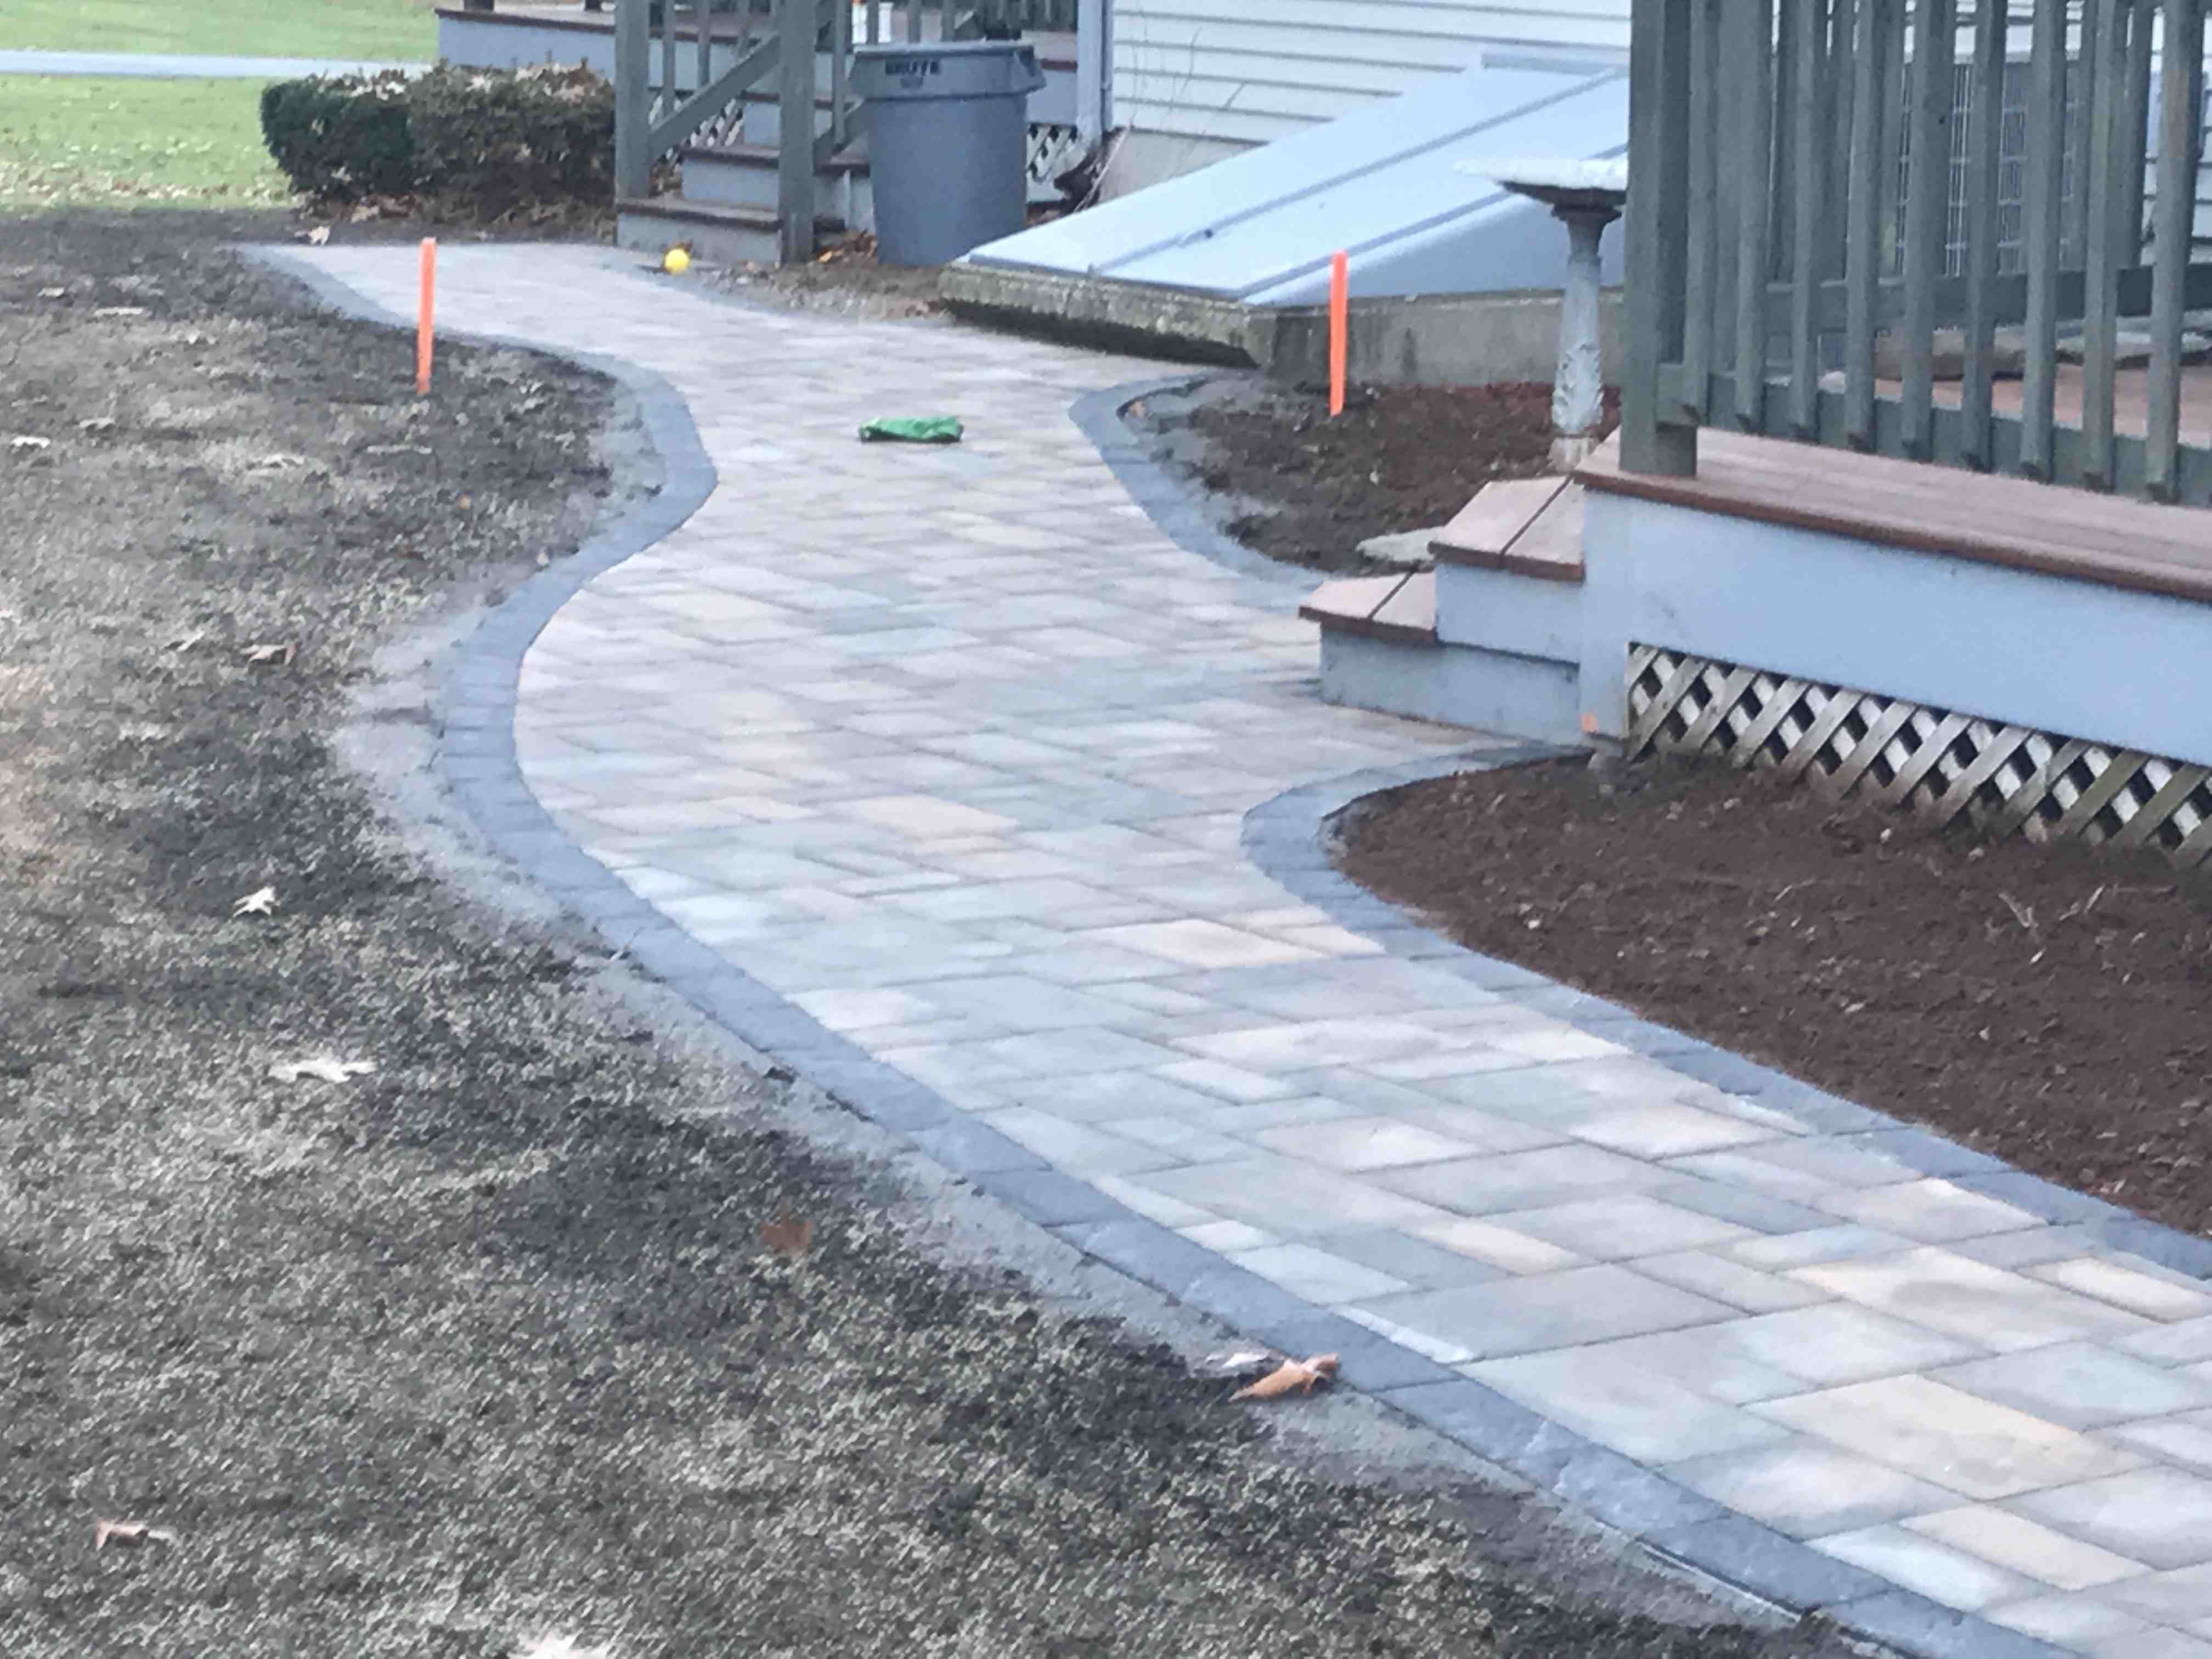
{"type": "Point", "coordinates": [1490, 638]}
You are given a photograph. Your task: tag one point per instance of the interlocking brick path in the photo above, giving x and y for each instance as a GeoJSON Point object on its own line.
{"type": "Point", "coordinates": [953, 749]}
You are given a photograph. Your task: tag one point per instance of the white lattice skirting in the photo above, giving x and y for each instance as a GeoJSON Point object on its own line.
{"type": "Point", "coordinates": [2003, 779]}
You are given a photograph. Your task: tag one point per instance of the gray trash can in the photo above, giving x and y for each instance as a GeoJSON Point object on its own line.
{"type": "Point", "coordinates": [948, 143]}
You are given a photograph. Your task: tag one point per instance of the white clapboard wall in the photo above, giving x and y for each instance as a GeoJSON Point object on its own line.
{"type": "Point", "coordinates": [1252, 70]}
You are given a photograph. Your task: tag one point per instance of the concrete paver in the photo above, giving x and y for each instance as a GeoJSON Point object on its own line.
{"type": "Point", "coordinates": [953, 750]}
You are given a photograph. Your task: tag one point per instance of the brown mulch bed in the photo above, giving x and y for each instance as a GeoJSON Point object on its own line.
{"type": "Point", "coordinates": [1308, 490]}
{"type": "Point", "coordinates": [2042, 1003]}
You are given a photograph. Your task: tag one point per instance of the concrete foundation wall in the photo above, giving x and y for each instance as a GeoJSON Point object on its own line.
{"type": "Point", "coordinates": [2055, 654]}
{"type": "Point", "coordinates": [1464, 339]}
{"type": "Point", "coordinates": [1455, 339]}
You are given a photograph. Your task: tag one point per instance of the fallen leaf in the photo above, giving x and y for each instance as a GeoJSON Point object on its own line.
{"type": "Point", "coordinates": [268, 654]}
{"type": "Point", "coordinates": [261, 902]}
{"type": "Point", "coordinates": [97, 423]}
{"type": "Point", "coordinates": [118, 311]}
{"type": "Point", "coordinates": [53, 293]}
{"type": "Point", "coordinates": [185, 641]}
{"type": "Point", "coordinates": [544, 559]}
{"type": "Point", "coordinates": [1292, 1376]}
{"type": "Point", "coordinates": [279, 462]}
{"type": "Point", "coordinates": [128, 1532]}
{"type": "Point", "coordinates": [319, 236]}
{"type": "Point", "coordinates": [329, 1070]}
{"type": "Point", "coordinates": [30, 441]}
{"type": "Point", "coordinates": [788, 1236]}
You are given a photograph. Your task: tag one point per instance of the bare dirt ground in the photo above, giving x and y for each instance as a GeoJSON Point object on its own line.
{"type": "Point", "coordinates": [1286, 478]}
{"type": "Point", "coordinates": [486, 1344]}
{"type": "Point", "coordinates": [2038, 1002]}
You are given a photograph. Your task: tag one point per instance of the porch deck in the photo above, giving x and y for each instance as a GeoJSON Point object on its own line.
{"type": "Point", "coordinates": [2051, 531]}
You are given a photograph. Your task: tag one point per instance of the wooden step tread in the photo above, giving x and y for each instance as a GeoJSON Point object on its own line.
{"type": "Point", "coordinates": [766, 156]}
{"type": "Point", "coordinates": [1528, 526]}
{"type": "Point", "coordinates": [1377, 607]}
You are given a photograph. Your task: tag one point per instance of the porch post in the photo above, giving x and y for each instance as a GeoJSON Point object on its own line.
{"type": "Point", "coordinates": [633, 101]}
{"type": "Point", "coordinates": [1655, 438]}
{"type": "Point", "coordinates": [797, 24]}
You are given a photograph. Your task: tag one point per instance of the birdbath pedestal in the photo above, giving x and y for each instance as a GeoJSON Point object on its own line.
{"type": "Point", "coordinates": [1585, 197]}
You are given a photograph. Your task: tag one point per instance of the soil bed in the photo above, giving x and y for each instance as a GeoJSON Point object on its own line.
{"type": "Point", "coordinates": [2038, 1002]}
{"type": "Point", "coordinates": [485, 1343]}
{"type": "Point", "coordinates": [1287, 480]}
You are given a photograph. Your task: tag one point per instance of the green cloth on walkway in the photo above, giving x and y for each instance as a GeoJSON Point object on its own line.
{"type": "Point", "coordinates": [912, 429]}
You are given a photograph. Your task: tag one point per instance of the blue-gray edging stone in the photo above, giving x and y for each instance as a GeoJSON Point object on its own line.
{"type": "Point", "coordinates": [1288, 837]}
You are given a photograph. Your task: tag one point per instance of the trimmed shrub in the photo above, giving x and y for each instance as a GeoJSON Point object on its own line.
{"type": "Point", "coordinates": [481, 143]}
{"type": "Point", "coordinates": [494, 142]}
{"type": "Point", "coordinates": [341, 137]}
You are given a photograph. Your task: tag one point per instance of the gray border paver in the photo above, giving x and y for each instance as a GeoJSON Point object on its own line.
{"type": "Point", "coordinates": [903, 609]}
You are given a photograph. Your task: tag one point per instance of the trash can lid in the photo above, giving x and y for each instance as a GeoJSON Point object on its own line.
{"type": "Point", "coordinates": [947, 69]}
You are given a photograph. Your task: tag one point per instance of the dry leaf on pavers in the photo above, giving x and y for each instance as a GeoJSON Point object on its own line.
{"type": "Point", "coordinates": [118, 311]}
{"type": "Point", "coordinates": [329, 1069]}
{"type": "Point", "coordinates": [26, 442]}
{"type": "Point", "coordinates": [1292, 1376]}
{"type": "Point", "coordinates": [97, 424]}
{"type": "Point", "coordinates": [261, 902]}
{"type": "Point", "coordinates": [319, 236]}
{"type": "Point", "coordinates": [53, 293]}
{"type": "Point", "coordinates": [788, 1236]}
{"type": "Point", "coordinates": [105, 1533]}
{"type": "Point", "coordinates": [280, 655]}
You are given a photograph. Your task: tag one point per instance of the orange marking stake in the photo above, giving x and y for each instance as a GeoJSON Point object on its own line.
{"type": "Point", "coordinates": [1340, 326]}
{"type": "Point", "coordinates": [425, 318]}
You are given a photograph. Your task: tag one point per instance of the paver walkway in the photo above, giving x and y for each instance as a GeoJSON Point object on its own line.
{"type": "Point", "coordinates": [952, 747]}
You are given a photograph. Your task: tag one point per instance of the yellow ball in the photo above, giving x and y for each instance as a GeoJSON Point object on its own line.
{"type": "Point", "coordinates": [675, 262]}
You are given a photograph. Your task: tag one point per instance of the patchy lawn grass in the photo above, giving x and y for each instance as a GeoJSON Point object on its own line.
{"type": "Point", "coordinates": [381, 30]}
{"type": "Point", "coordinates": [72, 142]}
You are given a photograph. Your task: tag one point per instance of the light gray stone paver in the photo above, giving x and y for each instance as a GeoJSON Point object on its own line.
{"type": "Point", "coordinates": [952, 749]}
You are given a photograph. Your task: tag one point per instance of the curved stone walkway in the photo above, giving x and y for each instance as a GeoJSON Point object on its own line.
{"type": "Point", "coordinates": [953, 750]}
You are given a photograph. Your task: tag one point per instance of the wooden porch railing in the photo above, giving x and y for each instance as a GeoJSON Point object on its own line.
{"type": "Point", "coordinates": [1816, 187]}
{"type": "Point", "coordinates": [669, 90]}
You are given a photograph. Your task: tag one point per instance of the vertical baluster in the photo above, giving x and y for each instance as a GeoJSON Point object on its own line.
{"type": "Point", "coordinates": [914, 19]}
{"type": "Point", "coordinates": [875, 21]}
{"type": "Point", "coordinates": [702, 19]}
{"type": "Point", "coordinates": [2047, 138]}
{"type": "Point", "coordinates": [1783, 227]}
{"type": "Point", "coordinates": [2106, 56]}
{"type": "Point", "coordinates": [1750, 157]}
{"type": "Point", "coordinates": [2081, 101]}
{"type": "Point", "coordinates": [1653, 438]}
{"type": "Point", "coordinates": [1892, 170]}
{"type": "Point", "coordinates": [1838, 74]}
{"type": "Point", "coordinates": [1985, 103]}
{"type": "Point", "coordinates": [2134, 127]}
{"type": "Point", "coordinates": [1699, 264]}
{"type": "Point", "coordinates": [1808, 154]}
{"type": "Point", "coordinates": [2180, 96]}
{"type": "Point", "coordinates": [1862, 271]}
{"type": "Point", "coordinates": [669, 96]}
{"type": "Point", "coordinates": [840, 52]}
{"type": "Point", "coordinates": [1928, 201]}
